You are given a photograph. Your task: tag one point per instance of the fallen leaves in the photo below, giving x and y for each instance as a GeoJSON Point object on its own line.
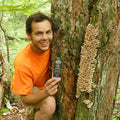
{"type": "Point", "coordinates": [17, 112]}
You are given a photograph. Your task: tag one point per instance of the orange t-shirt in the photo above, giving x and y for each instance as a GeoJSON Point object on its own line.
{"type": "Point", "coordinates": [31, 69]}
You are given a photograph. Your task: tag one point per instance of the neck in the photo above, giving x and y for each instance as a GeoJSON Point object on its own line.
{"type": "Point", "coordinates": [35, 50]}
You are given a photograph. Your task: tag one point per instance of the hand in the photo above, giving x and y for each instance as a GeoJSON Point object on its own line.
{"type": "Point", "coordinates": [51, 86]}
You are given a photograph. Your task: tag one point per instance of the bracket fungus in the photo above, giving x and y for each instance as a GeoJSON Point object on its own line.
{"type": "Point", "coordinates": [88, 103]}
{"type": "Point", "coordinates": [87, 63]}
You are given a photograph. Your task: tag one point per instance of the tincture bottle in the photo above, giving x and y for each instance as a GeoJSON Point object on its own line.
{"type": "Point", "coordinates": [57, 68]}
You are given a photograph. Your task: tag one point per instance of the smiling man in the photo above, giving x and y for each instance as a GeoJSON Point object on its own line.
{"type": "Point", "coordinates": [31, 77]}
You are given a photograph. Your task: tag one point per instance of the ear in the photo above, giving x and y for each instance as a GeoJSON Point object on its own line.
{"type": "Point", "coordinates": [28, 35]}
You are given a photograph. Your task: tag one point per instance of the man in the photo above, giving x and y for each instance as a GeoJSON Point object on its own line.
{"type": "Point", "coordinates": [31, 77]}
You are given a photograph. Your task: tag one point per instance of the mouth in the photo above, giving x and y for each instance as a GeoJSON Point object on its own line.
{"type": "Point", "coordinates": [44, 44]}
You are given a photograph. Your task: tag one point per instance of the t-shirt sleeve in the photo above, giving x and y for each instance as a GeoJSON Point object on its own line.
{"type": "Point", "coordinates": [22, 82]}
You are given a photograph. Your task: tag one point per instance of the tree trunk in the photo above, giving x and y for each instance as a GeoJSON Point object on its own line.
{"type": "Point", "coordinates": [3, 78]}
{"type": "Point", "coordinates": [83, 99]}
{"type": "Point", "coordinates": [4, 34]}
{"type": "Point", "coordinates": [15, 23]}
{"type": "Point", "coordinates": [7, 43]}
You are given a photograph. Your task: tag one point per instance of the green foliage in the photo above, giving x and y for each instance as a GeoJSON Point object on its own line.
{"type": "Point", "coordinates": [3, 110]}
{"type": "Point", "coordinates": [15, 46]}
{"type": "Point", "coordinates": [15, 14]}
{"type": "Point", "coordinates": [115, 116]}
{"type": "Point", "coordinates": [25, 6]}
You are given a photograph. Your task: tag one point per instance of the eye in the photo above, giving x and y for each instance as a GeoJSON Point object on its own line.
{"type": "Point", "coordinates": [39, 33]}
{"type": "Point", "coordinates": [48, 32]}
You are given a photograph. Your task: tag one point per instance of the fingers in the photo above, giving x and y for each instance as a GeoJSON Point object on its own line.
{"type": "Point", "coordinates": [54, 90]}
{"type": "Point", "coordinates": [51, 86]}
{"type": "Point", "coordinates": [51, 83]}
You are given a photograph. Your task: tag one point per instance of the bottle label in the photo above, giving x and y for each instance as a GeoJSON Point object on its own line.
{"type": "Point", "coordinates": [57, 68]}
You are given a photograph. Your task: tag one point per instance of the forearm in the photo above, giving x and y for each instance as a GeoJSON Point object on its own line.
{"type": "Point", "coordinates": [34, 98]}
{"type": "Point", "coordinates": [37, 97]}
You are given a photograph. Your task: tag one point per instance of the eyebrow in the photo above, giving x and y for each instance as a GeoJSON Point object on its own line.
{"type": "Point", "coordinates": [50, 30]}
{"type": "Point", "coordinates": [39, 32]}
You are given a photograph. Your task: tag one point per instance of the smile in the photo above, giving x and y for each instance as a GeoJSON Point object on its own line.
{"type": "Point", "coordinates": [44, 44]}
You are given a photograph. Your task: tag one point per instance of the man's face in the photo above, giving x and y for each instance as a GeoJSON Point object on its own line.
{"type": "Point", "coordinates": [41, 36]}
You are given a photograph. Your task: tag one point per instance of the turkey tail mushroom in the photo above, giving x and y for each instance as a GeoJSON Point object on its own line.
{"type": "Point", "coordinates": [87, 63]}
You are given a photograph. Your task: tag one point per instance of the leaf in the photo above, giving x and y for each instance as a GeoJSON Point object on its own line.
{"type": "Point", "coordinates": [9, 7]}
{"type": "Point", "coordinates": [18, 7]}
{"type": "Point", "coordinates": [6, 113]}
{"type": "Point", "coordinates": [8, 104]}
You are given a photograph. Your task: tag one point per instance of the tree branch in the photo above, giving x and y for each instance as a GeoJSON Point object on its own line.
{"type": "Point", "coordinates": [14, 9]}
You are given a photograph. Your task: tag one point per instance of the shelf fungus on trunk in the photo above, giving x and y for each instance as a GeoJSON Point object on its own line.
{"type": "Point", "coordinates": [87, 62]}
{"type": "Point", "coordinates": [88, 103]}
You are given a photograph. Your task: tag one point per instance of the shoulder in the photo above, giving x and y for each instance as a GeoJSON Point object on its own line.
{"type": "Point", "coordinates": [22, 58]}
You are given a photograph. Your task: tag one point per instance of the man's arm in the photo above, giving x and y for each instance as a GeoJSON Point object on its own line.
{"type": "Point", "coordinates": [34, 98]}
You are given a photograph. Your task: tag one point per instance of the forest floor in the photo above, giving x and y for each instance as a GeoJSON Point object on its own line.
{"type": "Point", "coordinates": [18, 112]}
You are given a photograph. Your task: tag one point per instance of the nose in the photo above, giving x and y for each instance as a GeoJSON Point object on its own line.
{"type": "Point", "coordinates": [44, 37]}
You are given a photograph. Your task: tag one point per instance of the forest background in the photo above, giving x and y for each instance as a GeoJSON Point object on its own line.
{"type": "Point", "coordinates": [13, 15]}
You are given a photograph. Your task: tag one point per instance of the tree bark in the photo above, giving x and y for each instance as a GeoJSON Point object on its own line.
{"type": "Point", "coordinates": [15, 23]}
{"type": "Point", "coordinates": [6, 41]}
{"type": "Point", "coordinates": [5, 34]}
{"type": "Point", "coordinates": [71, 18]}
{"type": "Point", "coordinates": [3, 77]}
{"type": "Point", "coordinates": [4, 73]}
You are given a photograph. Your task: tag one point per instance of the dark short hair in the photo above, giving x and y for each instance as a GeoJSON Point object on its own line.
{"type": "Point", "coordinates": [37, 17]}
